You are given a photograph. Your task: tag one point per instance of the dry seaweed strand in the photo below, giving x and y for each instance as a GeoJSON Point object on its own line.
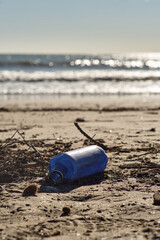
{"type": "Point", "coordinates": [153, 150]}
{"type": "Point", "coordinates": [90, 138]}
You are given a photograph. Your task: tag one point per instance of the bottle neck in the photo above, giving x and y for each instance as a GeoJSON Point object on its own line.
{"type": "Point", "coordinates": [56, 176]}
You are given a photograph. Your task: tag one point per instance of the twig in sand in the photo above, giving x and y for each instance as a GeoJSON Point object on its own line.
{"type": "Point", "coordinates": [40, 163]}
{"type": "Point", "coordinates": [30, 146]}
{"type": "Point", "coordinates": [7, 143]}
{"type": "Point", "coordinates": [90, 138]}
{"type": "Point", "coordinates": [30, 165]}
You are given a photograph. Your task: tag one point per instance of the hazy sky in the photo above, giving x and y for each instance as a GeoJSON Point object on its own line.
{"type": "Point", "coordinates": [79, 26]}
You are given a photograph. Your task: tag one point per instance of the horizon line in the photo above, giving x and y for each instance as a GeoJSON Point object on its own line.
{"type": "Point", "coordinates": [67, 53]}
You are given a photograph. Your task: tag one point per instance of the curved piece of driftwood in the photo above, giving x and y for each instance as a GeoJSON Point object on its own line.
{"type": "Point", "coordinates": [90, 138]}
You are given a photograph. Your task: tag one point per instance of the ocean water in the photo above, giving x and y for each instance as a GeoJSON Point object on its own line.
{"type": "Point", "coordinates": [111, 74]}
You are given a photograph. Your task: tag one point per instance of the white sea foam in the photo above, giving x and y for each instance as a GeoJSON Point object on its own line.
{"type": "Point", "coordinates": [81, 87]}
{"type": "Point", "coordinates": [23, 76]}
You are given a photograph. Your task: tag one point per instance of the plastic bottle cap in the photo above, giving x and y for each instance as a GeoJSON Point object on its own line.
{"type": "Point", "coordinates": [56, 176]}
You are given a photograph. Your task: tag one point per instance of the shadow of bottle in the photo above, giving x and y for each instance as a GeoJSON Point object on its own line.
{"type": "Point", "coordinates": [48, 187]}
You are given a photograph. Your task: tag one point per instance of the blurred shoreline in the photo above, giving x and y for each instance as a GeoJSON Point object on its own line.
{"type": "Point", "coordinates": [97, 103]}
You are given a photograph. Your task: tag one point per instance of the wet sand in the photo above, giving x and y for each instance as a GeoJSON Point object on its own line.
{"type": "Point", "coordinates": [116, 204]}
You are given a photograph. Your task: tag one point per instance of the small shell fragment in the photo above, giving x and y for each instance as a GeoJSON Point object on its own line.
{"type": "Point", "coordinates": [66, 211]}
{"type": "Point", "coordinates": [156, 199]}
{"type": "Point", "coordinates": [30, 190]}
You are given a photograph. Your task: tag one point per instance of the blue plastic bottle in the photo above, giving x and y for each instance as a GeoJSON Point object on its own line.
{"type": "Point", "coordinates": [77, 164]}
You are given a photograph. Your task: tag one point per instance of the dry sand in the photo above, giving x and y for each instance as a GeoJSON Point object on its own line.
{"type": "Point", "coordinates": [115, 205]}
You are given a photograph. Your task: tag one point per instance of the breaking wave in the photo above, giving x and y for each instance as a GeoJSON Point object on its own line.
{"type": "Point", "coordinates": [80, 74]}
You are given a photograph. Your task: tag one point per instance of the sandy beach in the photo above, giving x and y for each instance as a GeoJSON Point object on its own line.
{"type": "Point", "coordinates": [116, 204]}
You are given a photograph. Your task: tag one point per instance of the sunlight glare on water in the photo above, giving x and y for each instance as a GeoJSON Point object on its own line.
{"type": "Point", "coordinates": [80, 74]}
